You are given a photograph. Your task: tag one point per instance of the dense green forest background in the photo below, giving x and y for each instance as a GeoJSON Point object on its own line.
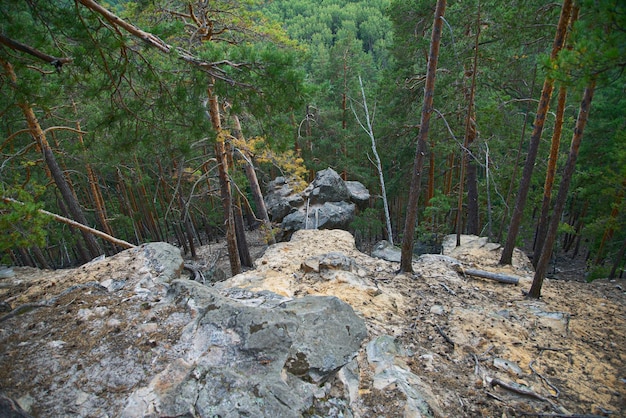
{"type": "Point", "coordinates": [126, 116]}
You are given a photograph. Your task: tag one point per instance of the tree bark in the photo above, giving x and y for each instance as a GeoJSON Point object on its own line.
{"type": "Point", "coordinates": [225, 190]}
{"type": "Point", "coordinates": [550, 173]}
{"type": "Point", "coordinates": [535, 138]}
{"type": "Point", "coordinates": [255, 188]}
{"type": "Point", "coordinates": [570, 165]}
{"type": "Point", "coordinates": [467, 161]}
{"type": "Point", "coordinates": [406, 261]}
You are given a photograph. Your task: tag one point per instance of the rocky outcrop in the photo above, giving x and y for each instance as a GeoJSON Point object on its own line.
{"type": "Point", "coordinates": [327, 203]}
{"type": "Point", "coordinates": [126, 336]}
{"type": "Point", "coordinates": [317, 329]}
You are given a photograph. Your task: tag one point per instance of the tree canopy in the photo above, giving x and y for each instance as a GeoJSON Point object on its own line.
{"type": "Point", "coordinates": [120, 92]}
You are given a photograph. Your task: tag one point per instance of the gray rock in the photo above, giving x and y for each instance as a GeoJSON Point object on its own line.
{"type": "Point", "coordinates": [336, 215]}
{"type": "Point", "coordinates": [328, 186]}
{"type": "Point", "coordinates": [164, 260]}
{"type": "Point", "coordinates": [280, 199]}
{"type": "Point", "coordinates": [381, 354]}
{"type": "Point", "coordinates": [251, 361]}
{"type": "Point", "coordinates": [330, 215]}
{"type": "Point", "coordinates": [327, 203]}
{"type": "Point", "coordinates": [6, 272]}
{"type": "Point", "coordinates": [358, 193]}
{"type": "Point", "coordinates": [386, 251]}
{"type": "Point", "coordinates": [151, 344]}
{"type": "Point", "coordinates": [9, 408]}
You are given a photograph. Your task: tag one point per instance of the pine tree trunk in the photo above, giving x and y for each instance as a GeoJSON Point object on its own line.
{"type": "Point", "coordinates": [406, 261]}
{"type": "Point", "coordinates": [535, 138]}
{"type": "Point", "coordinates": [55, 170]}
{"type": "Point", "coordinates": [225, 190]}
{"type": "Point", "coordinates": [467, 161]}
{"type": "Point", "coordinates": [550, 173]}
{"type": "Point", "coordinates": [59, 179]}
{"type": "Point", "coordinates": [505, 213]}
{"type": "Point", "coordinates": [559, 205]}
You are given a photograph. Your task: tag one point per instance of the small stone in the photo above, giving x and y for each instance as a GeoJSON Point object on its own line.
{"type": "Point", "coordinates": [437, 310]}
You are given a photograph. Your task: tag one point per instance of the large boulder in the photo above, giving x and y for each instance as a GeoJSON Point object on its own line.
{"type": "Point", "coordinates": [330, 215]}
{"type": "Point", "coordinates": [358, 193]}
{"type": "Point", "coordinates": [327, 186]}
{"type": "Point", "coordinates": [250, 354]}
{"type": "Point", "coordinates": [280, 199]}
{"type": "Point", "coordinates": [327, 203]}
{"type": "Point", "coordinates": [126, 336]}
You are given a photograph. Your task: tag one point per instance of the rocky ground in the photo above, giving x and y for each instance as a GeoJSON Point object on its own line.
{"type": "Point", "coordinates": [482, 347]}
{"type": "Point", "coordinates": [439, 343]}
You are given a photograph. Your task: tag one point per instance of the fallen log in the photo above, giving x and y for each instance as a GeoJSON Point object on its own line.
{"type": "Point", "coordinates": [78, 225]}
{"type": "Point", "coordinates": [502, 278]}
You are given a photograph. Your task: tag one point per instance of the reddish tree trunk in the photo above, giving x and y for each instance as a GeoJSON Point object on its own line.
{"type": "Point", "coordinates": [535, 138]}
{"type": "Point", "coordinates": [406, 262]}
{"type": "Point", "coordinates": [559, 205]}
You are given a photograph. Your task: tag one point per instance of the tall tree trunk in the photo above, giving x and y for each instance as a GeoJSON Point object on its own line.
{"type": "Point", "coordinates": [406, 261]}
{"type": "Point", "coordinates": [550, 173]}
{"type": "Point", "coordinates": [509, 193]}
{"type": "Point", "coordinates": [535, 138]}
{"type": "Point", "coordinates": [570, 165]}
{"type": "Point", "coordinates": [467, 161]}
{"type": "Point", "coordinates": [225, 190]}
{"type": "Point", "coordinates": [242, 243]}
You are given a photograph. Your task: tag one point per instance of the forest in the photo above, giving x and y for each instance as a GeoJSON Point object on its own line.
{"type": "Point", "coordinates": [163, 120]}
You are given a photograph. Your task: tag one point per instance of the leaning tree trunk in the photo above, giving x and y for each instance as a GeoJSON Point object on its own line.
{"type": "Point", "coordinates": [55, 170]}
{"type": "Point", "coordinates": [542, 228]}
{"type": "Point", "coordinates": [535, 138]}
{"type": "Point", "coordinates": [559, 205]}
{"type": "Point", "coordinates": [255, 188]}
{"type": "Point", "coordinates": [406, 260]}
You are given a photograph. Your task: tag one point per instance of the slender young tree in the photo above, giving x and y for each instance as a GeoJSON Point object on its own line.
{"type": "Point", "coordinates": [369, 129]}
{"type": "Point", "coordinates": [535, 138]}
{"type": "Point", "coordinates": [406, 261]}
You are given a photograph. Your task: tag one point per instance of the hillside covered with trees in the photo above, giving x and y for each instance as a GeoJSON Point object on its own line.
{"type": "Point", "coordinates": [164, 120]}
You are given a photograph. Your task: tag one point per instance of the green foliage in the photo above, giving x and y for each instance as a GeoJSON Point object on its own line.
{"type": "Point", "coordinates": [367, 223]}
{"type": "Point", "coordinates": [21, 225]}
{"type": "Point", "coordinates": [289, 70]}
{"type": "Point", "coordinates": [598, 272]}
